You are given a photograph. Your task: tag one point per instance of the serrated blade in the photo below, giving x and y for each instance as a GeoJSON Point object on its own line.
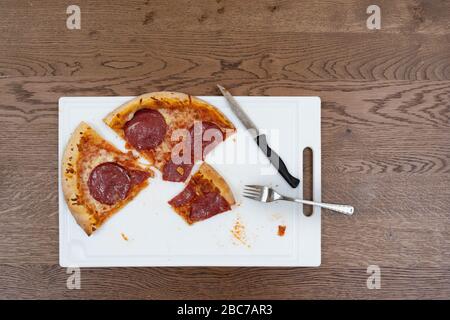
{"type": "Point", "coordinates": [239, 112]}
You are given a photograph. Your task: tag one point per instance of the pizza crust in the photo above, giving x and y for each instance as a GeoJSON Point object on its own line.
{"type": "Point", "coordinates": [180, 111]}
{"type": "Point", "coordinates": [210, 173]}
{"type": "Point", "coordinates": [163, 99]}
{"type": "Point", "coordinates": [72, 186]}
{"type": "Point", "coordinates": [70, 180]}
{"type": "Point", "coordinates": [88, 212]}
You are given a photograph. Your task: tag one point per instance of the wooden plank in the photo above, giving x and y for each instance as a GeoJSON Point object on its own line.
{"type": "Point", "coordinates": [290, 55]}
{"type": "Point", "coordinates": [43, 281]}
{"type": "Point", "coordinates": [139, 16]}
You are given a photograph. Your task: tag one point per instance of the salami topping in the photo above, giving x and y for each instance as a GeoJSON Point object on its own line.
{"type": "Point", "coordinates": [207, 206]}
{"type": "Point", "coordinates": [184, 197]}
{"type": "Point", "coordinates": [137, 176]}
{"type": "Point", "coordinates": [205, 136]}
{"type": "Point", "coordinates": [176, 172]}
{"type": "Point", "coordinates": [109, 183]}
{"type": "Point", "coordinates": [209, 136]}
{"type": "Point", "coordinates": [205, 195]}
{"type": "Point", "coordinates": [146, 130]}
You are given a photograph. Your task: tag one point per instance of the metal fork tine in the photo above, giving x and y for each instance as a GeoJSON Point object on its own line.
{"type": "Point", "coordinates": [254, 186]}
{"type": "Point", "coordinates": [259, 193]}
{"type": "Point", "coordinates": [251, 197]}
{"type": "Point", "coordinates": [252, 191]}
{"type": "Point", "coordinates": [255, 195]}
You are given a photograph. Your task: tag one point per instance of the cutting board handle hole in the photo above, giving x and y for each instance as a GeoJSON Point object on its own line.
{"type": "Point", "coordinates": [307, 180]}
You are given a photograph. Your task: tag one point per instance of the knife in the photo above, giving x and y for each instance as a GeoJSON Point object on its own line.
{"type": "Point", "coordinates": [260, 139]}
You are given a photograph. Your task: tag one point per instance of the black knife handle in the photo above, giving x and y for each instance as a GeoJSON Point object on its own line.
{"type": "Point", "coordinates": [276, 161]}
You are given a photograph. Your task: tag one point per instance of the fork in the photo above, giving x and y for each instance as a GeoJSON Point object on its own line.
{"type": "Point", "coordinates": [266, 194]}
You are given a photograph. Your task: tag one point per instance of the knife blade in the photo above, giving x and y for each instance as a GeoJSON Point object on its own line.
{"type": "Point", "coordinates": [260, 139]}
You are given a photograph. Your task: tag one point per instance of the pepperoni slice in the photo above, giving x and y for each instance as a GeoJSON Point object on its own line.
{"type": "Point", "coordinates": [176, 172]}
{"type": "Point", "coordinates": [184, 197]}
{"type": "Point", "coordinates": [146, 130]}
{"type": "Point", "coordinates": [207, 206]}
{"type": "Point", "coordinates": [109, 183]}
{"type": "Point", "coordinates": [137, 176]}
{"type": "Point", "coordinates": [210, 134]}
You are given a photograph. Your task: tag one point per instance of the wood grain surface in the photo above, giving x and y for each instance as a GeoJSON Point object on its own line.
{"type": "Point", "coordinates": [385, 132]}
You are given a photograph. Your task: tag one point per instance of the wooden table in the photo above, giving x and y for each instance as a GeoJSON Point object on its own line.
{"type": "Point", "coordinates": [385, 140]}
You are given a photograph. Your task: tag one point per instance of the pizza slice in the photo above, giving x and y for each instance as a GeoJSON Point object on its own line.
{"type": "Point", "coordinates": [171, 130]}
{"type": "Point", "coordinates": [206, 195]}
{"type": "Point", "coordinates": [97, 178]}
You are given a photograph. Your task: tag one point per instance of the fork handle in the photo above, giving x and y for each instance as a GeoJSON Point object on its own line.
{"type": "Point", "coordinates": [342, 208]}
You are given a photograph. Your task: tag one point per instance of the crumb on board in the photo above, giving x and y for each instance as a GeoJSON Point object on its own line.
{"type": "Point", "coordinates": [124, 237]}
{"type": "Point", "coordinates": [238, 232]}
{"type": "Point", "coordinates": [276, 216]}
{"type": "Point", "coordinates": [281, 230]}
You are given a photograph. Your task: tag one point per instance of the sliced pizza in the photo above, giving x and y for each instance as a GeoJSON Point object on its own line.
{"type": "Point", "coordinates": [171, 130]}
{"type": "Point", "coordinates": [97, 178]}
{"type": "Point", "coordinates": [205, 195]}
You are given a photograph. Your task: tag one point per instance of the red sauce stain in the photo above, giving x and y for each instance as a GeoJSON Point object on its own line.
{"type": "Point", "coordinates": [281, 230]}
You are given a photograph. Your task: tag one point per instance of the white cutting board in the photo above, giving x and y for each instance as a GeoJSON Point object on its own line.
{"type": "Point", "coordinates": [157, 236]}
